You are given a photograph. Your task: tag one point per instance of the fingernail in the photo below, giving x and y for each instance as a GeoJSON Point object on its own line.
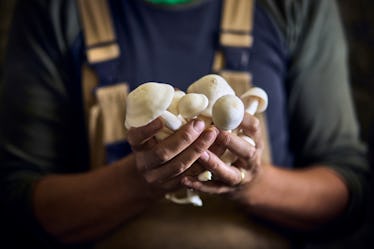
{"type": "Point", "coordinates": [204, 156]}
{"type": "Point", "coordinates": [198, 125]}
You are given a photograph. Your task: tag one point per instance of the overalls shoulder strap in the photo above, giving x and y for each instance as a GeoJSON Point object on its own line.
{"type": "Point", "coordinates": [103, 105]}
{"type": "Point", "coordinates": [237, 23]}
{"type": "Point", "coordinates": [99, 35]}
{"type": "Point", "coordinates": [231, 59]}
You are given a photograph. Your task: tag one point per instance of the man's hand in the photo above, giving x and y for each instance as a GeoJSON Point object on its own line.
{"type": "Point", "coordinates": [162, 163]}
{"type": "Point", "coordinates": [228, 178]}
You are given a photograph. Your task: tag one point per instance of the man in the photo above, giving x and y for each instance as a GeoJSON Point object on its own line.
{"type": "Point", "coordinates": [318, 171]}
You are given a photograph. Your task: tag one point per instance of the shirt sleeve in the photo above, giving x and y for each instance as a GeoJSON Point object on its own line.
{"type": "Point", "coordinates": [36, 107]}
{"type": "Point", "coordinates": [322, 118]}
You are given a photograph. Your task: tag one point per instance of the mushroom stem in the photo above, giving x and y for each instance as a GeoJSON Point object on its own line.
{"type": "Point", "coordinates": [252, 106]}
{"type": "Point", "coordinates": [205, 176]}
{"type": "Point", "coordinates": [163, 133]}
{"type": "Point", "coordinates": [171, 121]}
{"type": "Point", "coordinates": [228, 157]}
{"type": "Point", "coordinates": [248, 140]}
{"type": "Point", "coordinates": [191, 198]}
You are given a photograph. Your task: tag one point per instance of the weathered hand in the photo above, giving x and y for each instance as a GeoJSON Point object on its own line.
{"type": "Point", "coordinates": [162, 163]}
{"type": "Point", "coordinates": [227, 178]}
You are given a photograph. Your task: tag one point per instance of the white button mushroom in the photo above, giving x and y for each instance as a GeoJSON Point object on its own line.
{"type": "Point", "coordinates": [173, 107]}
{"type": "Point", "coordinates": [228, 112]}
{"type": "Point", "coordinates": [192, 104]}
{"type": "Point", "coordinates": [149, 101]}
{"type": "Point", "coordinates": [255, 101]}
{"type": "Point", "coordinates": [213, 87]}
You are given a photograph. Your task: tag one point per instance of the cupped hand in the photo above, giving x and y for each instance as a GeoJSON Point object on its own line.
{"type": "Point", "coordinates": [229, 178]}
{"type": "Point", "coordinates": [163, 163]}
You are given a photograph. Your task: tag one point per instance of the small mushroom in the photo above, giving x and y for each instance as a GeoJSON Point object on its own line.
{"type": "Point", "coordinates": [192, 104]}
{"type": "Point", "coordinates": [149, 101]}
{"type": "Point", "coordinates": [213, 87]}
{"type": "Point", "coordinates": [173, 107]}
{"type": "Point", "coordinates": [255, 100]}
{"type": "Point", "coordinates": [205, 176]}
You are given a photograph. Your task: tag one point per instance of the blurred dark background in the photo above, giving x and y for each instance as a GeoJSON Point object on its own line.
{"type": "Point", "coordinates": [358, 20]}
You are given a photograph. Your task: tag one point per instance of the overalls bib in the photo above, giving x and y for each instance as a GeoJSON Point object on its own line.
{"type": "Point", "coordinates": [220, 223]}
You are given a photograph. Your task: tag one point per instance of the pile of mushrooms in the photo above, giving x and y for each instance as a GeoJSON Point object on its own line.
{"type": "Point", "coordinates": [210, 99]}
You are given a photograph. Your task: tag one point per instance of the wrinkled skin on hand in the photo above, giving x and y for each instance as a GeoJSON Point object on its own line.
{"type": "Point", "coordinates": [227, 179]}
{"type": "Point", "coordinates": [163, 163]}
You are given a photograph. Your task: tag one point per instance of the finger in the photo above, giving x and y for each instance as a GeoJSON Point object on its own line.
{"type": "Point", "coordinates": [249, 168]}
{"type": "Point", "coordinates": [220, 145]}
{"type": "Point", "coordinates": [172, 185]}
{"type": "Point", "coordinates": [170, 147]}
{"type": "Point", "coordinates": [226, 173]}
{"type": "Point", "coordinates": [235, 144]}
{"type": "Point", "coordinates": [137, 136]}
{"type": "Point", "coordinates": [210, 187]}
{"type": "Point", "coordinates": [185, 159]}
{"type": "Point", "coordinates": [241, 148]}
{"type": "Point", "coordinates": [250, 125]}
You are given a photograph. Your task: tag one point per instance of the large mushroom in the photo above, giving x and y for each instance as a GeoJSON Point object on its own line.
{"type": "Point", "coordinates": [228, 112]}
{"type": "Point", "coordinates": [149, 101]}
{"type": "Point", "coordinates": [213, 87]}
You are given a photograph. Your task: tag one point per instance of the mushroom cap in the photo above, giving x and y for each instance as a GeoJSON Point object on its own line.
{"type": "Point", "coordinates": [256, 93]}
{"type": "Point", "coordinates": [228, 112]}
{"type": "Point", "coordinates": [147, 102]}
{"type": "Point", "coordinates": [213, 87]}
{"type": "Point", "coordinates": [192, 104]}
{"type": "Point", "coordinates": [173, 108]}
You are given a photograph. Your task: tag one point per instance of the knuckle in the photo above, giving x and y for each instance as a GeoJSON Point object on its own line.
{"type": "Point", "coordinates": [223, 138]}
{"type": "Point", "coordinates": [248, 155]}
{"type": "Point", "coordinates": [214, 166]}
{"type": "Point", "coordinates": [150, 179]}
{"type": "Point", "coordinates": [161, 154]}
{"type": "Point", "coordinates": [187, 136]}
{"type": "Point", "coordinates": [200, 147]}
{"type": "Point", "coordinates": [255, 124]}
{"type": "Point", "coordinates": [235, 180]}
{"type": "Point", "coordinates": [179, 170]}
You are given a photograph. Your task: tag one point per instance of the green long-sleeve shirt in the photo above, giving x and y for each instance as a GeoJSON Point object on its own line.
{"type": "Point", "coordinates": [42, 128]}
